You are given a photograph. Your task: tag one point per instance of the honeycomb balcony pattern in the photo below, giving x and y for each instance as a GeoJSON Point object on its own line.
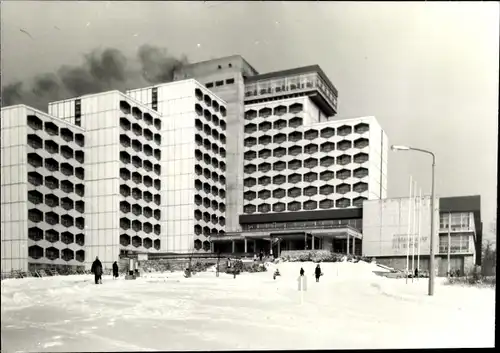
{"type": "Point", "coordinates": [56, 187]}
{"type": "Point", "coordinates": [290, 165]}
{"type": "Point", "coordinates": [210, 166]}
{"type": "Point", "coordinates": [140, 183]}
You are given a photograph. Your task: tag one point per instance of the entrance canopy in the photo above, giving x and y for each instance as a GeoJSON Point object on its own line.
{"type": "Point", "coordinates": [333, 233]}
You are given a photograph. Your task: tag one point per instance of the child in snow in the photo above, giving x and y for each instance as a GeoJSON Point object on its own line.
{"type": "Point", "coordinates": [276, 274]}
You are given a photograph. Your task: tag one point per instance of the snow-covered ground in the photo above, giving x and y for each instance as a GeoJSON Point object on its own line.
{"type": "Point", "coordinates": [350, 307]}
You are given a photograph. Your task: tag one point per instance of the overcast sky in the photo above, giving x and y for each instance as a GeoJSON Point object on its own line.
{"type": "Point", "coordinates": [427, 71]}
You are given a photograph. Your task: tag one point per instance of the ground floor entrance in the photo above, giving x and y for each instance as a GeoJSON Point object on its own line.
{"type": "Point", "coordinates": [274, 243]}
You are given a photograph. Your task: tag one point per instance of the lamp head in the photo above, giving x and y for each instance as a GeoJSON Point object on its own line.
{"type": "Point", "coordinates": [399, 148]}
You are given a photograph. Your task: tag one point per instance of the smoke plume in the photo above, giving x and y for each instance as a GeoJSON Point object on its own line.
{"type": "Point", "coordinates": [101, 70]}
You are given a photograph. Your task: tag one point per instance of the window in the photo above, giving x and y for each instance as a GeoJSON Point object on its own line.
{"type": "Point", "coordinates": [459, 220]}
{"type": "Point", "coordinates": [230, 81]}
{"type": "Point", "coordinates": [209, 85]}
{"type": "Point", "coordinates": [459, 243]}
{"type": "Point", "coordinates": [219, 83]}
{"type": "Point", "coordinates": [78, 112]}
{"type": "Point", "coordinates": [154, 98]}
{"type": "Point", "coordinates": [230, 65]}
{"type": "Point", "coordinates": [219, 67]}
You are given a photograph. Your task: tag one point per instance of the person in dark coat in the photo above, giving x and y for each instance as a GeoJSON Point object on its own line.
{"type": "Point", "coordinates": [317, 272]}
{"type": "Point", "coordinates": [261, 255]}
{"type": "Point", "coordinates": [416, 272]}
{"type": "Point", "coordinates": [97, 270]}
{"type": "Point", "coordinates": [301, 271]}
{"type": "Point", "coordinates": [115, 270]}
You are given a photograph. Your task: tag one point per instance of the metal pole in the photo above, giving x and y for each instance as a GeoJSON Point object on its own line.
{"type": "Point", "coordinates": [419, 223]}
{"type": "Point", "coordinates": [408, 231]}
{"type": "Point", "coordinates": [431, 255]}
{"type": "Point", "coordinates": [218, 260]}
{"type": "Point", "coordinates": [432, 274]}
{"type": "Point", "coordinates": [413, 230]}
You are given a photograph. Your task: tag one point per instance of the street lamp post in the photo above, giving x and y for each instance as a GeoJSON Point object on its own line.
{"type": "Point", "coordinates": [431, 257]}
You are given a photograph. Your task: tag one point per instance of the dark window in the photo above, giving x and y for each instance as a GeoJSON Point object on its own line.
{"type": "Point", "coordinates": [230, 65]}
{"type": "Point", "coordinates": [209, 85]}
{"type": "Point", "coordinates": [219, 67]}
{"type": "Point", "coordinates": [154, 98]}
{"type": "Point", "coordinates": [219, 83]}
{"type": "Point", "coordinates": [230, 81]}
{"type": "Point", "coordinates": [78, 112]}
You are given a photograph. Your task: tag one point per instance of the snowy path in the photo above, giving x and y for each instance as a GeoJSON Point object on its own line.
{"type": "Point", "coordinates": [349, 308]}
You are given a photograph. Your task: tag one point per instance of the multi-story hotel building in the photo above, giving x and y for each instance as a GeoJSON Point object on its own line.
{"type": "Point", "coordinates": [123, 172]}
{"type": "Point", "coordinates": [194, 167]}
{"type": "Point", "coordinates": [143, 181]}
{"type": "Point", "coordinates": [226, 77]}
{"type": "Point", "coordinates": [43, 189]}
{"type": "Point", "coordinates": [296, 161]}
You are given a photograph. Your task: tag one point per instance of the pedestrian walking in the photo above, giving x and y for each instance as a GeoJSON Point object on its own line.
{"type": "Point", "coordinates": [302, 271]}
{"type": "Point", "coordinates": [317, 272]}
{"type": "Point", "coordinates": [96, 269]}
{"type": "Point", "coordinates": [115, 270]}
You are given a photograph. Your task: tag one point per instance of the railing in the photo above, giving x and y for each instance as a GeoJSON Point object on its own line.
{"type": "Point", "coordinates": [457, 228]}
{"type": "Point", "coordinates": [309, 226]}
{"type": "Point", "coordinates": [290, 84]}
{"type": "Point", "coordinates": [443, 249]}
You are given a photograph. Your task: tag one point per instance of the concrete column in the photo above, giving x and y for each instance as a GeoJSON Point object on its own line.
{"type": "Point", "coordinates": [353, 245]}
{"type": "Point", "coordinates": [279, 248]}
{"type": "Point", "coordinates": [305, 241]}
{"type": "Point", "coordinates": [234, 246]}
{"type": "Point", "coordinates": [312, 243]}
{"type": "Point", "coordinates": [347, 247]}
{"type": "Point", "coordinates": [245, 245]}
{"type": "Point", "coordinates": [254, 246]}
{"type": "Point", "coordinates": [211, 247]}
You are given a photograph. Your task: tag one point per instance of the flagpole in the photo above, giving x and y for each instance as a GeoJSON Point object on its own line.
{"type": "Point", "coordinates": [419, 223]}
{"type": "Point", "coordinates": [408, 232]}
{"type": "Point", "coordinates": [413, 230]}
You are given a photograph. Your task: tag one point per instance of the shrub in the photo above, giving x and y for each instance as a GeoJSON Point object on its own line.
{"type": "Point", "coordinates": [254, 267]}
{"type": "Point", "coordinates": [474, 278]}
{"type": "Point", "coordinates": [236, 267]}
{"type": "Point", "coordinates": [313, 255]}
{"type": "Point", "coordinates": [481, 281]}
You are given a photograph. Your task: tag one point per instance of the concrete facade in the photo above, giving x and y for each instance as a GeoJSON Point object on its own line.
{"type": "Point", "coordinates": [390, 232]}
{"type": "Point", "coordinates": [194, 162]}
{"type": "Point", "coordinates": [123, 173]}
{"type": "Point", "coordinates": [42, 215]}
{"type": "Point", "coordinates": [293, 162]}
{"type": "Point", "coordinates": [225, 77]}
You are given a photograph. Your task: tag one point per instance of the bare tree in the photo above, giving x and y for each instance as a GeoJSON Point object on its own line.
{"type": "Point", "coordinates": [489, 254]}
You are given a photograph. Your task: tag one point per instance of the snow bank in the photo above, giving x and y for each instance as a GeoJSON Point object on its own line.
{"type": "Point", "coordinates": [165, 311]}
